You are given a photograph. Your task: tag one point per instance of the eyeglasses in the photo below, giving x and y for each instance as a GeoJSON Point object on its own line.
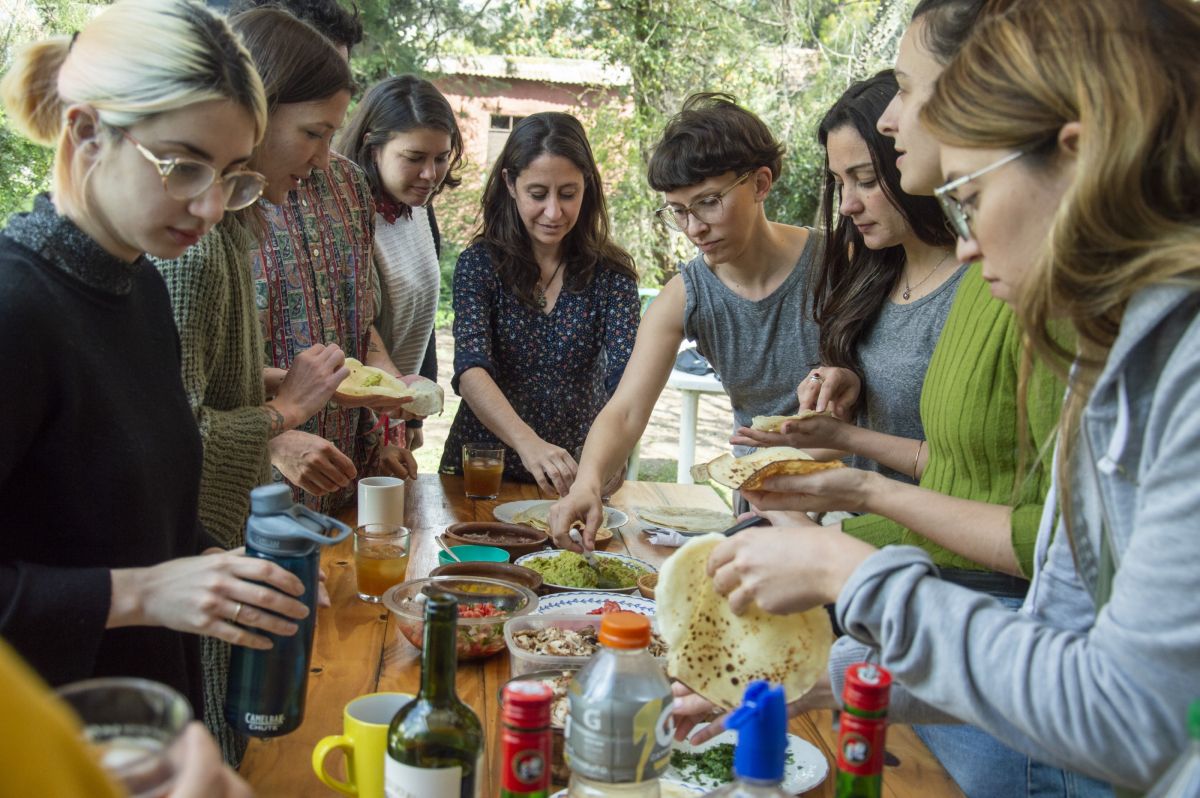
{"type": "Point", "coordinates": [186, 179]}
{"type": "Point", "coordinates": [960, 220]}
{"type": "Point", "coordinates": [706, 210]}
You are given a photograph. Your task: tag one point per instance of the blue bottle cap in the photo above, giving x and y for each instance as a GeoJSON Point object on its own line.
{"type": "Point", "coordinates": [761, 724]}
{"type": "Point", "coordinates": [267, 499]}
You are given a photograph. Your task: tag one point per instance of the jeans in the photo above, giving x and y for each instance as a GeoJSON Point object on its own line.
{"type": "Point", "coordinates": [983, 767]}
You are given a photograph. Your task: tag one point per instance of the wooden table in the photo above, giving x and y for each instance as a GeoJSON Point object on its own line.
{"type": "Point", "coordinates": [357, 651]}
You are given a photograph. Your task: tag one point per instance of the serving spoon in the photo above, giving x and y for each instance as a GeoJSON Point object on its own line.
{"type": "Point", "coordinates": [442, 545]}
{"type": "Point", "coordinates": [602, 582]}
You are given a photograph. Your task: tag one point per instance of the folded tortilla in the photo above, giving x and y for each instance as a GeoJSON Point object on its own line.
{"type": "Point", "coordinates": [749, 472]}
{"type": "Point", "coordinates": [718, 654]}
{"type": "Point", "coordinates": [370, 381]}
{"type": "Point", "coordinates": [687, 519]}
{"type": "Point", "coordinates": [775, 423]}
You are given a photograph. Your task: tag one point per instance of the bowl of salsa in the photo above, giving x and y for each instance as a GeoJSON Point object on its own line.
{"type": "Point", "coordinates": [483, 607]}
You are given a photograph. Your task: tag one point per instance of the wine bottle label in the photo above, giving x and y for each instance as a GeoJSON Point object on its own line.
{"type": "Point", "coordinates": [617, 741]}
{"type": "Point", "coordinates": [407, 781]}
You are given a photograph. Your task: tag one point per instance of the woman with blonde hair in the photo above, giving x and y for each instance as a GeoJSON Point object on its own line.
{"type": "Point", "coordinates": [1070, 138]}
{"type": "Point", "coordinates": [154, 109]}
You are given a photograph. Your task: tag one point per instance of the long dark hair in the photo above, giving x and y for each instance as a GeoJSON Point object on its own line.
{"type": "Point", "coordinates": [851, 282]}
{"type": "Point", "coordinates": [586, 249]}
{"type": "Point", "coordinates": [397, 105]}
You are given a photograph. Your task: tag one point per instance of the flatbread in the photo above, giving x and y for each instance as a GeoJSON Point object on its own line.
{"type": "Point", "coordinates": [538, 517]}
{"type": "Point", "coordinates": [687, 519]}
{"type": "Point", "coordinates": [370, 381]}
{"type": "Point", "coordinates": [718, 654]}
{"type": "Point", "coordinates": [775, 423]}
{"type": "Point", "coordinates": [748, 472]}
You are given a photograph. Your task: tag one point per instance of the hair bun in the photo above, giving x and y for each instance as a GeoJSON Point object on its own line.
{"type": "Point", "coordinates": [30, 89]}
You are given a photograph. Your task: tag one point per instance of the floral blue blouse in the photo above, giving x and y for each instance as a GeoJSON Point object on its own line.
{"type": "Point", "coordinates": [556, 369]}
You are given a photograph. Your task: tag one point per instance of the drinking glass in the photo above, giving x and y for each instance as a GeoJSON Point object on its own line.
{"type": "Point", "coordinates": [483, 469]}
{"type": "Point", "coordinates": [133, 725]}
{"type": "Point", "coordinates": [380, 559]}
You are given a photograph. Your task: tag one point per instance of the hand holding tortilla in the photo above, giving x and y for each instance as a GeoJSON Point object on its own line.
{"type": "Point", "coordinates": [851, 489]}
{"type": "Point", "coordinates": [749, 472]}
{"type": "Point", "coordinates": [808, 430]}
{"type": "Point", "coordinates": [417, 395]}
{"type": "Point", "coordinates": [835, 389]}
{"type": "Point", "coordinates": [691, 709]}
{"type": "Point", "coordinates": [716, 652]}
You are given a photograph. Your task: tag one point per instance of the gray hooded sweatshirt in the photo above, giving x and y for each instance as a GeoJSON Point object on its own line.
{"type": "Point", "coordinates": [1091, 685]}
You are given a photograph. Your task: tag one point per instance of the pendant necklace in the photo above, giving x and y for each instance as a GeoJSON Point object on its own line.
{"type": "Point", "coordinates": [908, 289]}
{"type": "Point", "coordinates": [539, 293]}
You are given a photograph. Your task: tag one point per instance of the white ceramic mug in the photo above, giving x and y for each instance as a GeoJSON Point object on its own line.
{"type": "Point", "coordinates": [380, 500]}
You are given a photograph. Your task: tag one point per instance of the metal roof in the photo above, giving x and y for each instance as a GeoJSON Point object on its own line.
{"type": "Point", "coordinates": [581, 71]}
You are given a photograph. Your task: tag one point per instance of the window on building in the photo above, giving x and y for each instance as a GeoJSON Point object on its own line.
{"type": "Point", "coordinates": [499, 128]}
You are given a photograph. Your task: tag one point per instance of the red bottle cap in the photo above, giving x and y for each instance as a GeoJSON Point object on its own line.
{"type": "Point", "coordinates": [625, 630]}
{"type": "Point", "coordinates": [867, 687]}
{"type": "Point", "coordinates": [526, 704]}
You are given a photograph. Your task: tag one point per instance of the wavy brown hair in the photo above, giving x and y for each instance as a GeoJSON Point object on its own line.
{"type": "Point", "coordinates": [1130, 74]}
{"type": "Point", "coordinates": [851, 282]}
{"type": "Point", "coordinates": [586, 249]}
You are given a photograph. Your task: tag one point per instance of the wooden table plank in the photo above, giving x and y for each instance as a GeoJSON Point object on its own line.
{"type": "Point", "coordinates": [358, 650]}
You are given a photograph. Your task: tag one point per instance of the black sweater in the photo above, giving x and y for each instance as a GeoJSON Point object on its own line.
{"type": "Point", "coordinates": [99, 453]}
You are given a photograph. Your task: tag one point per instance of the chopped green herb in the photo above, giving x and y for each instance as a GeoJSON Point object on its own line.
{"type": "Point", "coordinates": [714, 763]}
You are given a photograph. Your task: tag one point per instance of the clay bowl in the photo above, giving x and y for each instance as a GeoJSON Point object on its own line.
{"type": "Point", "coordinates": [646, 584]}
{"type": "Point", "coordinates": [604, 536]}
{"type": "Point", "coordinates": [503, 571]}
{"type": "Point", "coordinates": [516, 540]}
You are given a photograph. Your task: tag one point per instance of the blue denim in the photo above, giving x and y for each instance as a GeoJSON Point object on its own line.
{"type": "Point", "coordinates": [984, 767]}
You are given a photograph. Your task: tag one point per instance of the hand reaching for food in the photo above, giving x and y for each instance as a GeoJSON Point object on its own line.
{"type": "Point", "coordinates": [830, 388]}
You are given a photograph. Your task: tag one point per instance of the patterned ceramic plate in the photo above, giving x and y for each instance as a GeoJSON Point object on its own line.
{"type": "Point", "coordinates": [623, 558]}
{"type": "Point", "coordinates": [667, 789]}
{"type": "Point", "coordinates": [806, 770]}
{"type": "Point", "coordinates": [613, 518]}
{"type": "Point", "coordinates": [583, 602]}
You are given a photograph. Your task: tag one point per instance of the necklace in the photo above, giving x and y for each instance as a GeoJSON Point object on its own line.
{"type": "Point", "coordinates": [539, 293]}
{"type": "Point", "coordinates": [908, 289]}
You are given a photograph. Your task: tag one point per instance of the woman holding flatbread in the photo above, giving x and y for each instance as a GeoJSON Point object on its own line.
{"type": "Point", "coordinates": [1072, 182]}
{"type": "Point", "coordinates": [744, 291]}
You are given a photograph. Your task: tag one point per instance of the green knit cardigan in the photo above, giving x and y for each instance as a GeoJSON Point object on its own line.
{"type": "Point", "coordinates": [969, 411]}
{"type": "Point", "coordinates": [212, 295]}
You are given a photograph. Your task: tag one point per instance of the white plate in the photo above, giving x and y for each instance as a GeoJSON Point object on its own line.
{"type": "Point", "coordinates": [624, 558]}
{"type": "Point", "coordinates": [583, 602]}
{"type": "Point", "coordinates": [807, 769]}
{"type": "Point", "coordinates": [613, 518]}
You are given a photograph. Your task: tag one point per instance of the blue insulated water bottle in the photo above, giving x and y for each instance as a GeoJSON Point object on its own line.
{"type": "Point", "coordinates": [267, 688]}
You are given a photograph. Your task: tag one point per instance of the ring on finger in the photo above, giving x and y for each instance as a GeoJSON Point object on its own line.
{"type": "Point", "coordinates": [816, 378]}
{"type": "Point", "coordinates": [236, 613]}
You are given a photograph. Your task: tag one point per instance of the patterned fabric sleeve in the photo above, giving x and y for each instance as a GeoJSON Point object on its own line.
{"type": "Point", "coordinates": [622, 311]}
{"type": "Point", "coordinates": [474, 309]}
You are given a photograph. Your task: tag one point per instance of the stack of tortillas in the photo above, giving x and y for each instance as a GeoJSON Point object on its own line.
{"type": "Point", "coordinates": [748, 472]}
{"type": "Point", "coordinates": [716, 653]}
{"type": "Point", "coordinates": [686, 519]}
{"type": "Point", "coordinates": [775, 423]}
{"type": "Point", "coordinates": [538, 517]}
{"type": "Point", "coordinates": [370, 381]}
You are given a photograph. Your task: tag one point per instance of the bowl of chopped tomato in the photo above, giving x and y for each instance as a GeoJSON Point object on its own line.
{"type": "Point", "coordinates": [483, 607]}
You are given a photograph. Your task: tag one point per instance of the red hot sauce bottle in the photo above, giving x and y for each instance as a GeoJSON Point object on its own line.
{"type": "Point", "coordinates": [862, 730]}
{"type": "Point", "coordinates": [525, 742]}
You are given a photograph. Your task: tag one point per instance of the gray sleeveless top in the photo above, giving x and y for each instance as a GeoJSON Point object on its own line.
{"type": "Point", "coordinates": [895, 355]}
{"type": "Point", "coordinates": [760, 349]}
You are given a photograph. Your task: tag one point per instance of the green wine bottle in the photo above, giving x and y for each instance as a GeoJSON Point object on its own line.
{"type": "Point", "coordinates": [435, 742]}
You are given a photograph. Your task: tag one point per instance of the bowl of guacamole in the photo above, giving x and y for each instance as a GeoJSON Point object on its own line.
{"type": "Point", "coordinates": [565, 570]}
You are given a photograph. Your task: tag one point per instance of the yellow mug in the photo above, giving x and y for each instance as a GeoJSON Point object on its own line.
{"type": "Point", "coordinates": [364, 744]}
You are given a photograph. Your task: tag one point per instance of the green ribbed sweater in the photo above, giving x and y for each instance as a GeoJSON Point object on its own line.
{"type": "Point", "coordinates": [212, 296]}
{"type": "Point", "coordinates": [969, 411]}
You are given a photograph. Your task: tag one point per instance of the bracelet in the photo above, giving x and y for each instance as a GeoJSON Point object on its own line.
{"type": "Point", "coordinates": [917, 460]}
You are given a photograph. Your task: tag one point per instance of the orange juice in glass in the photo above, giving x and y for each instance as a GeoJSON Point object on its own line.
{"type": "Point", "coordinates": [380, 558]}
{"type": "Point", "coordinates": [483, 468]}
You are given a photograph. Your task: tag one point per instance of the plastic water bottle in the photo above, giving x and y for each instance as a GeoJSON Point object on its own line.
{"type": "Point", "coordinates": [619, 726]}
{"type": "Point", "coordinates": [760, 757]}
{"type": "Point", "coordinates": [267, 688]}
{"type": "Point", "coordinates": [1182, 779]}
